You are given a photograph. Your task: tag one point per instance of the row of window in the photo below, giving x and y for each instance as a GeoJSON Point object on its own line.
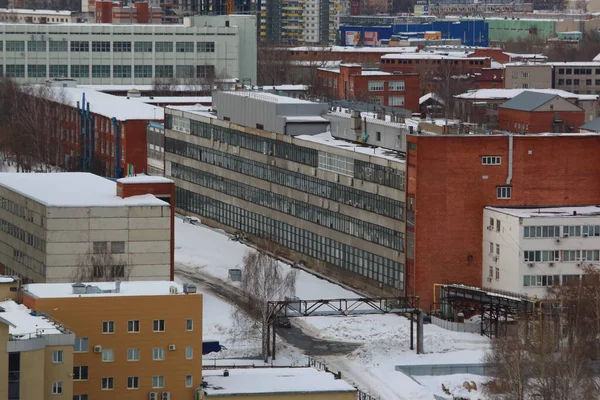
{"type": "Point", "coordinates": [133, 382]}
{"type": "Point", "coordinates": [361, 170]}
{"type": "Point", "coordinates": [588, 82]}
{"type": "Point", "coordinates": [299, 209]}
{"type": "Point", "coordinates": [491, 160]}
{"type": "Point", "coordinates": [551, 280]}
{"type": "Point", "coordinates": [133, 354]}
{"type": "Point", "coordinates": [302, 241]}
{"type": "Point", "coordinates": [104, 71]}
{"type": "Point", "coordinates": [577, 71]}
{"type": "Point", "coordinates": [556, 231]}
{"type": "Point", "coordinates": [560, 255]}
{"type": "Point", "coordinates": [22, 235]}
{"type": "Point", "coordinates": [16, 209]}
{"type": "Point", "coordinates": [107, 47]}
{"type": "Point", "coordinates": [295, 180]}
{"type": "Point", "coordinates": [133, 326]}
{"type": "Point", "coordinates": [379, 86]}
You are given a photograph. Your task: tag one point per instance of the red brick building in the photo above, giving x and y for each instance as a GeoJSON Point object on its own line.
{"type": "Point", "coordinates": [345, 54]}
{"type": "Point", "coordinates": [103, 134]}
{"type": "Point", "coordinates": [351, 82]}
{"type": "Point", "coordinates": [448, 186]}
{"type": "Point", "coordinates": [499, 55]}
{"type": "Point", "coordinates": [489, 78]}
{"type": "Point", "coordinates": [535, 112]}
{"type": "Point", "coordinates": [114, 12]}
{"type": "Point", "coordinates": [418, 62]}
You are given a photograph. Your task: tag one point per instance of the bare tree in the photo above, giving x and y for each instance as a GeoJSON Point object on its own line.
{"type": "Point", "coordinates": [102, 266]}
{"type": "Point", "coordinates": [274, 64]}
{"type": "Point", "coordinates": [263, 280]}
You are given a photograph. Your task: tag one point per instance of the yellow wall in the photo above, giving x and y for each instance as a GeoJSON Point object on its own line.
{"type": "Point", "coordinates": [32, 374]}
{"type": "Point", "coordinates": [84, 316]}
{"type": "Point", "coordinates": [3, 361]}
{"type": "Point", "coordinates": [58, 372]}
{"type": "Point", "coordinates": [5, 290]}
{"type": "Point", "coordinates": [299, 396]}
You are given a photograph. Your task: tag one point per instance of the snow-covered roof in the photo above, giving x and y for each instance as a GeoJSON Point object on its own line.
{"type": "Point", "coordinates": [501, 94]}
{"type": "Point", "coordinates": [428, 96]}
{"type": "Point", "coordinates": [72, 189]}
{"type": "Point", "coordinates": [272, 381]}
{"type": "Point", "coordinates": [523, 55]}
{"type": "Point", "coordinates": [143, 178]}
{"type": "Point", "coordinates": [173, 99]}
{"type": "Point", "coordinates": [61, 13]}
{"type": "Point", "coordinates": [270, 97]}
{"type": "Point", "coordinates": [575, 64]}
{"type": "Point", "coordinates": [127, 288]}
{"type": "Point", "coordinates": [363, 72]}
{"type": "Point", "coordinates": [306, 118]}
{"type": "Point", "coordinates": [197, 109]}
{"type": "Point", "coordinates": [550, 212]}
{"type": "Point", "coordinates": [358, 49]}
{"type": "Point", "coordinates": [23, 325]}
{"type": "Point", "coordinates": [108, 105]}
{"type": "Point", "coordinates": [6, 279]}
{"type": "Point", "coordinates": [429, 56]}
{"type": "Point", "coordinates": [327, 139]}
{"type": "Point", "coordinates": [285, 88]}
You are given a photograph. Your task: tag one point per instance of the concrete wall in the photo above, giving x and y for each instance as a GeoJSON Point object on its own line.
{"type": "Point", "coordinates": [393, 135]}
{"type": "Point", "coordinates": [62, 372]}
{"type": "Point", "coordinates": [9, 290]}
{"type": "Point", "coordinates": [527, 76]}
{"type": "Point", "coordinates": [501, 252]}
{"type": "Point", "coordinates": [3, 361]}
{"type": "Point", "coordinates": [75, 313]}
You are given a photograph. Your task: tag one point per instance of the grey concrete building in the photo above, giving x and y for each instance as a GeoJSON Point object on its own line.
{"type": "Point", "coordinates": [51, 223]}
{"type": "Point", "coordinates": [527, 76]}
{"type": "Point", "coordinates": [577, 76]}
{"type": "Point", "coordinates": [337, 206]}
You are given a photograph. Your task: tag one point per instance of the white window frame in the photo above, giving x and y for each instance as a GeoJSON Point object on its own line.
{"type": "Point", "coordinates": [158, 382]}
{"type": "Point", "coordinates": [491, 160]}
{"type": "Point", "coordinates": [108, 327]}
{"type": "Point", "coordinates": [57, 357]}
{"type": "Point", "coordinates": [189, 381]}
{"type": "Point", "coordinates": [108, 355]}
{"type": "Point", "coordinates": [135, 380]}
{"type": "Point", "coordinates": [107, 383]}
{"type": "Point", "coordinates": [57, 387]}
{"type": "Point", "coordinates": [396, 101]}
{"type": "Point", "coordinates": [504, 192]}
{"type": "Point", "coordinates": [376, 86]}
{"type": "Point", "coordinates": [189, 325]}
{"type": "Point", "coordinates": [133, 326]}
{"type": "Point", "coordinates": [158, 353]}
{"type": "Point", "coordinates": [133, 354]}
{"type": "Point", "coordinates": [396, 86]}
{"type": "Point", "coordinates": [189, 353]}
{"type": "Point", "coordinates": [156, 325]}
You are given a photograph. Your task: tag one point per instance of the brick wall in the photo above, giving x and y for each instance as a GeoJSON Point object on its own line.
{"type": "Point", "coordinates": [538, 121]}
{"type": "Point", "coordinates": [451, 188]}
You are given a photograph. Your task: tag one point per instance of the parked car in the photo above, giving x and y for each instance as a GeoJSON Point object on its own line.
{"type": "Point", "coordinates": [283, 322]}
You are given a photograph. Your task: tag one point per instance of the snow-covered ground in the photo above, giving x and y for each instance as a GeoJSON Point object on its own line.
{"type": "Point", "coordinates": [385, 338]}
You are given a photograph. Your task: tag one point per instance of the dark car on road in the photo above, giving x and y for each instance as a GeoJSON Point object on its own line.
{"type": "Point", "coordinates": [283, 322]}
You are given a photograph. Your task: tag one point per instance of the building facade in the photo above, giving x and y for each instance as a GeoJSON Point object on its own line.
{"type": "Point", "coordinates": [55, 224]}
{"type": "Point", "coordinates": [42, 16]}
{"type": "Point", "coordinates": [529, 250]}
{"type": "Point", "coordinates": [336, 206]}
{"type": "Point", "coordinates": [156, 148]}
{"type": "Point", "coordinates": [141, 338]}
{"type": "Point", "coordinates": [108, 12]}
{"type": "Point", "coordinates": [527, 76]}
{"type": "Point", "coordinates": [201, 48]}
{"type": "Point", "coordinates": [577, 77]}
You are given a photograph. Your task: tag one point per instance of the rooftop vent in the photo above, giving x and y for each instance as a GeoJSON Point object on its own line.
{"type": "Point", "coordinates": [189, 288]}
{"type": "Point", "coordinates": [78, 288]}
{"type": "Point", "coordinates": [226, 372]}
{"type": "Point", "coordinates": [134, 93]}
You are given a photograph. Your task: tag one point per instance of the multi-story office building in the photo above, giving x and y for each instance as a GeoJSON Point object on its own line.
{"type": "Point", "coordinates": [527, 250]}
{"type": "Point", "coordinates": [202, 48]}
{"type": "Point", "coordinates": [299, 21]}
{"type": "Point", "coordinates": [156, 148]}
{"type": "Point", "coordinates": [54, 224]}
{"type": "Point", "coordinates": [36, 353]}
{"type": "Point", "coordinates": [260, 166]}
{"type": "Point", "coordinates": [577, 77]}
{"type": "Point", "coordinates": [133, 340]}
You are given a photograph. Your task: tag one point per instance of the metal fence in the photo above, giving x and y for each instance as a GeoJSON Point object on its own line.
{"type": "Point", "coordinates": [443, 369]}
{"type": "Point", "coordinates": [456, 326]}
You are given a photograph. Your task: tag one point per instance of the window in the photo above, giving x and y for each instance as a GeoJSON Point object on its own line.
{"type": "Point", "coordinates": [497, 273]}
{"type": "Point", "coordinates": [532, 256]}
{"type": "Point", "coordinates": [100, 71]}
{"type": "Point", "coordinates": [189, 353]}
{"type": "Point", "coordinates": [184, 47]}
{"type": "Point", "coordinates": [206, 47]}
{"type": "Point", "coordinates": [491, 160]}
{"type": "Point", "coordinates": [375, 86]}
{"type": "Point", "coordinates": [163, 47]}
{"type": "Point", "coordinates": [80, 397]}
{"type": "Point", "coordinates": [121, 47]}
{"type": "Point", "coordinates": [378, 136]}
{"type": "Point", "coordinates": [15, 71]}
{"type": "Point", "coordinates": [36, 71]}
{"type": "Point", "coordinates": [205, 71]}
{"type": "Point", "coordinates": [15, 45]}
{"type": "Point", "coordinates": [108, 355]}
{"type": "Point", "coordinates": [80, 373]}
{"type": "Point", "coordinates": [80, 71]}
{"type": "Point", "coordinates": [575, 81]}
{"type": "Point", "coordinates": [121, 71]}
{"type": "Point", "coordinates": [164, 71]}
{"type": "Point", "coordinates": [133, 354]}
{"type": "Point", "coordinates": [550, 255]}
{"type": "Point", "coordinates": [189, 324]}
{"type": "Point", "coordinates": [59, 71]}
{"type": "Point", "coordinates": [79, 47]}
{"type": "Point", "coordinates": [36, 45]}
{"type": "Point", "coordinates": [133, 382]}
{"type": "Point", "coordinates": [158, 382]}
{"type": "Point", "coordinates": [184, 71]}
{"type": "Point", "coordinates": [108, 326]}
{"type": "Point", "coordinates": [551, 231]}
{"type": "Point", "coordinates": [396, 86]}
{"type": "Point", "coordinates": [81, 345]}
{"type": "Point", "coordinates": [100, 247]}
{"type": "Point", "coordinates": [133, 326]}
{"type": "Point", "coordinates": [108, 384]}
{"type": "Point", "coordinates": [498, 226]}
{"type": "Point", "coordinates": [591, 230]}
{"type": "Point", "coordinates": [569, 81]}
{"type": "Point", "coordinates": [497, 249]}
{"type": "Point", "coordinates": [561, 81]}
{"type": "Point", "coordinates": [158, 325]}
{"type": "Point", "coordinates": [377, 100]}
{"type": "Point", "coordinates": [101, 47]}
{"type": "Point", "coordinates": [57, 357]}
{"type": "Point", "coordinates": [58, 46]}
{"type": "Point", "coordinates": [117, 247]}
{"type": "Point", "coordinates": [57, 388]}
{"type": "Point", "coordinates": [573, 230]}
{"type": "Point", "coordinates": [142, 71]}
{"type": "Point", "coordinates": [188, 381]}
{"type": "Point", "coordinates": [491, 248]}
{"type": "Point", "coordinates": [503, 192]}
{"type": "Point", "coordinates": [158, 353]}
{"type": "Point", "coordinates": [541, 280]}
{"type": "Point", "coordinates": [491, 271]}
{"type": "Point", "coordinates": [396, 100]}
{"type": "Point", "coordinates": [142, 47]}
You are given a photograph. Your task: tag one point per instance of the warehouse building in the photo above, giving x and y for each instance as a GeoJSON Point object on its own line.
{"type": "Point", "coordinates": [202, 48]}
{"type": "Point", "coordinates": [55, 224]}
{"type": "Point", "coordinates": [266, 166]}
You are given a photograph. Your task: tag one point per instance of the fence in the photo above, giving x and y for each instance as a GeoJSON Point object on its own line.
{"type": "Point", "coordinates": [456, 326]}
{"type": "Point", "coordinates": [360, 394]}
{"type": "Point", "coordinates": [443, 369]}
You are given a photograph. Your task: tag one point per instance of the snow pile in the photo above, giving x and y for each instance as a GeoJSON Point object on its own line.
{"type": "Point", "coordinates": [455, 386]}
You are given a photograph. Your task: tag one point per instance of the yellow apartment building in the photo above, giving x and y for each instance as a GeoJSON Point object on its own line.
{"type": "Point", "coordinates": [133, 340]}
{"type": "Point", "coordinates": [36, 353]}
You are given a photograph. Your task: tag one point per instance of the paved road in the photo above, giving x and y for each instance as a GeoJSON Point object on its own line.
{"type": "Point", "coordinates": [294, 336]}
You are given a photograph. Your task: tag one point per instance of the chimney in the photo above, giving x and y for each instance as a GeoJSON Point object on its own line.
{"type": "Point", "coordinates": [117, 286]}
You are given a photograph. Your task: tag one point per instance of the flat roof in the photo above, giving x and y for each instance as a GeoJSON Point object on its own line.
{"type": "Point", "coordinates": [6, 279]}
{"type": "Point", "coordinates": [358, 49]}
{"type": "Point", "coordinates": [197, 109]}
{"type": "Point", "coordinates": [72, 189]}
{"type": "Point", "coordinates": [428, 56]}
{"type": "Point", "coordinates": [172, 99]}
{"type": "Point", "coordinates": [127, 288]}
{"type": "Point", "coordinates": [255, 381]}
{"type": "Point", "coordinates": [61, 13]}
{"type": "Point", "coordinates": [23, 325]}
{"type": "Point", "coordinates": [502, 94]}
{"type": "Point", "coordinates": [269, 97]}
{"type": "Point", "coordinates": [550, 212]}
{"type": "Point", "coordinates": [143, 178]}
{"type": "Point", "coordinates": [108, 105]}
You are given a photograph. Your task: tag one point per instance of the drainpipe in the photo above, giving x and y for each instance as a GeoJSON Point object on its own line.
{"type": "Point", "coordinates": [82, 128]}
{"type": "Point", "coordinates": [510, 159]}
{"type": "Point", "coordinates": [90, 131]}
{"type": "Point", "coordinates": [117, 147]}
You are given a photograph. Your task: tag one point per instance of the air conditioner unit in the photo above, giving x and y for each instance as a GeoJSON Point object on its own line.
{"type": "Point", "coordinates": [578, 264]}
{"type": "Point", "coordinates": [585, 235]}
{"type": "Point", "coordinates": [97, 349]}
{"type": "Point", "coordinates": [153, 396]}
{"type": "Point", "coordinates": [551, 264]}
{"type": "Point", "coordinates": [490, 228]}
{"type": "Point", "coordinates": [489, 278]}
{"type": "Point", "coordinates": [566, 235]}
{"type": "Point", "coordinates": [530, 265]}
{"type": "Point", "coordinates": [557, 240]}
{"type": "Point", "coordinates": [172, 347]}
{"type": "Point", "coordinates": [166, 395]}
